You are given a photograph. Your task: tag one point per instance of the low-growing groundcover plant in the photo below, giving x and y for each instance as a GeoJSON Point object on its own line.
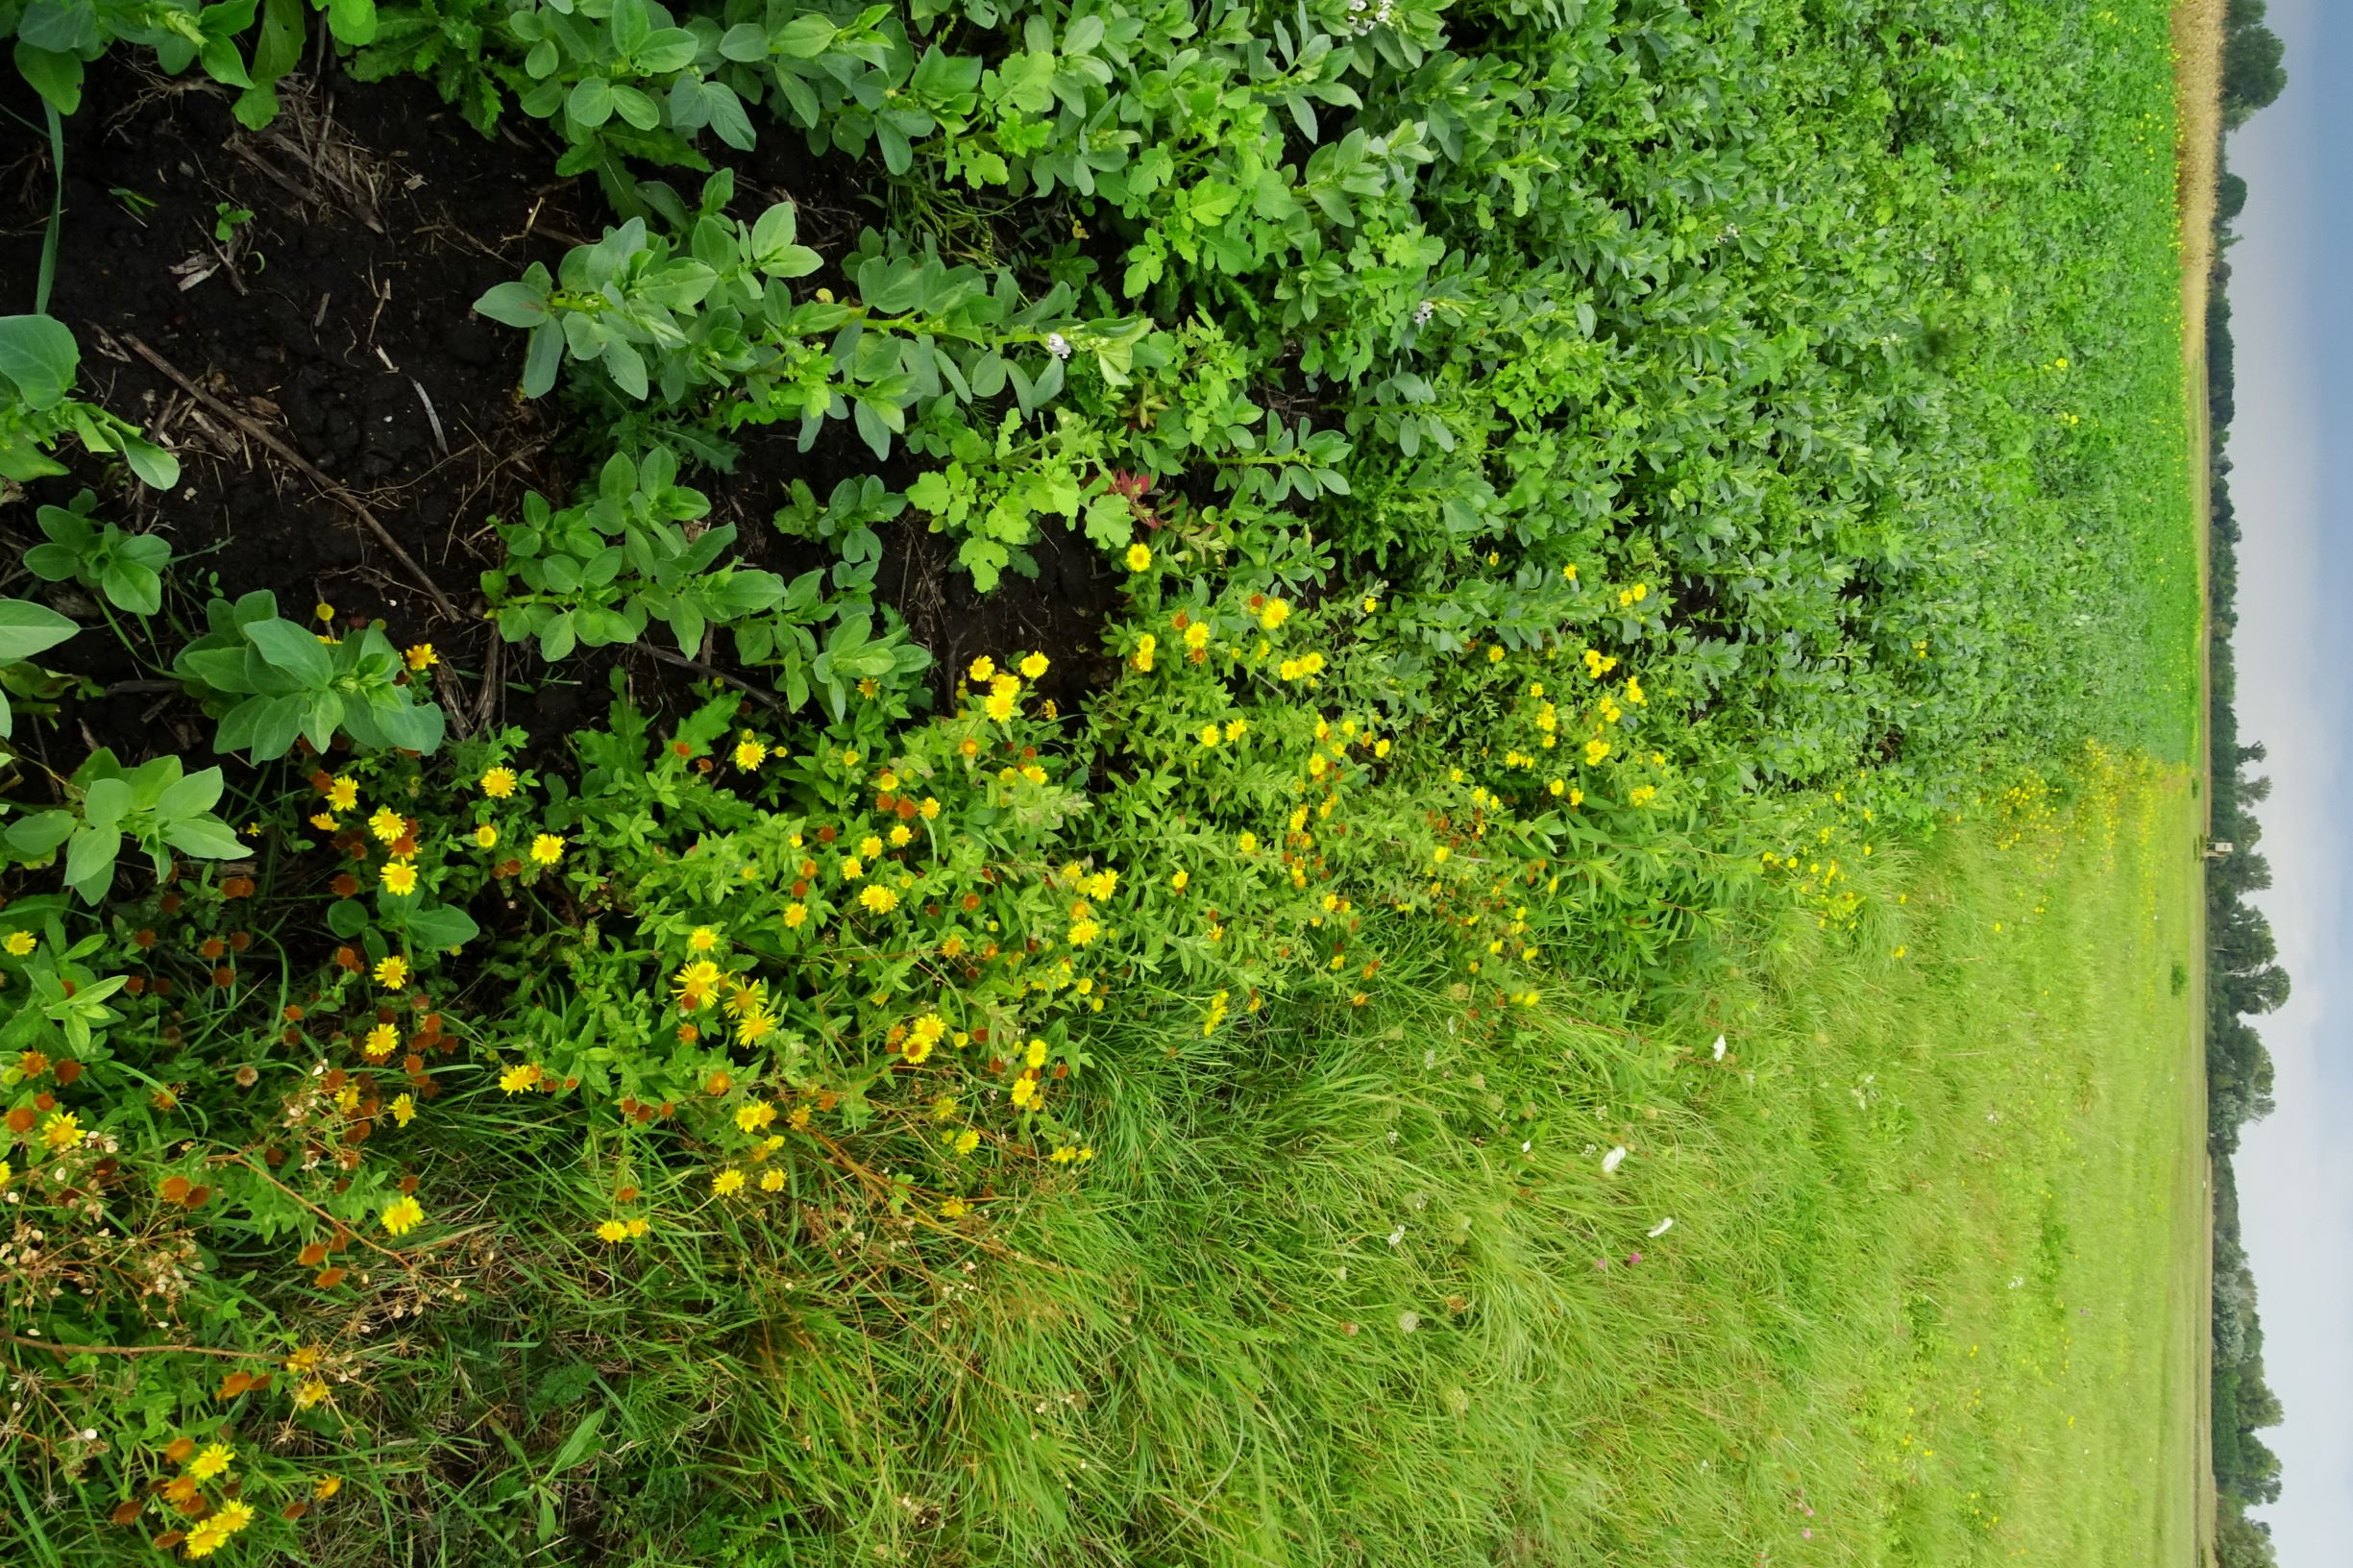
{"type": "Point", "coordinates": [1592, 488]}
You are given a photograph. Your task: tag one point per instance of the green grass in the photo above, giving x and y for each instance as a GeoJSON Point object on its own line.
{"type": "Point", "coordinates": [1934, 1273]}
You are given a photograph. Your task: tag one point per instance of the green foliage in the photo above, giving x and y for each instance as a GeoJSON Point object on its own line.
{"type": "Point", "coordinates": [125, 568]}
{"type": "Point", "coordinates": [26, 628]}
{"type": "Point", "coordinates": [156, 807]}
{"type": "Point", "coordinates": [298, 685]}
{"type": "Point", "coordinates": [39, 359]}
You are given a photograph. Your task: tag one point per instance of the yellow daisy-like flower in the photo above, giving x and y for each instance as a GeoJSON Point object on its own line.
{"type": "Point", "coordinates": [954, 1209]}
{"type": "Point", "coordinates": [20, 943]}
{"type": "Point", "coordinates": [701, 939]}
{"type": "Point", "coordinates": [1209, 735]}
{"type": "Point", "coordinates": [523, 1076]}
{"type": "Point", "coordinates": [870, 847]}
{"type": "Point", "coordinates": [402, 1216]}
{"type": "Point", "coordinates": [326, 1486]}
{"type": "Point", "coordinates": [400, 877]}
{"type": "Point", "coordinates": [62, 1131]}
{"type": "Point", "coordinates": [749, 754]}
{"type": "Point", "coordinates": [1274, 613]}
{"type": "Point", "coordinates": [1595, 750]}
{"type": "Point", "coordinates": [381, 1041]}
{"type": "Point", "coordinates": [727, 1182]}
{"type": "Point", "coordinates": [1024, 1092]}
{"type": "Point", "coordinates": [405, 1109]}
{"type": "Point", "coordinates": [796, 916]}
{"type": "Point", "coordinates": [213, 1534]}
{"type": "Point", "coordinates": [499, 783]}
{"type": "Point", "coordinates": [981, 668]}
{"type": "Point", "coordinates": [967, 1141]}
{"type": "Point", "coordinates": [773, 1182]}
{"type": "Point", "coordinates": [487, 836]}
{"type": "Point", "coordinates": [343, 793]}
{"type": "Point", "coordinates": [420, 657]}
{"type": "Point", "coordinates": [1033, 666]}
{"type": "Point", "coordinates": [853, 868]}
{"type": "Point", "coordinates": [755, 1117]}
{"type": "Point", "coordinates": [1495, 654]}
{"type": "Point", "coordinates": [878, 898]}
{"type": "Point", "coordinates": [387, 824]}
{"type": "Point", "coordinates": [613, 1230]}
{"type": "Point", "coordinates": [325, 821]}
{"type": "Point", "coordinates": [392, 973]}
{"type": "Point", "coordinates": [310, 1392]}
{"type": "Point", "coordinates": [901, 836]}
{"type": "Point", "coordinates": [1139, 558]}
{"type": "Point", "coordinates": [929, 810]}
{"type": "Point", "coordinates": [1000, 704]}
{"type": "Point", "coordinates": [547, 848]}
{"type": "Point", "coordinates": [215, 1459]}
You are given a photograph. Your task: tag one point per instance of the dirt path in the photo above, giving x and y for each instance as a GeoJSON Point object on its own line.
{"type": "Point", "coordinates": [2198, 53]}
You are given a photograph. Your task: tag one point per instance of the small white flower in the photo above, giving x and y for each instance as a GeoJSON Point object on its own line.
{"type": "Point", "coordinates": [1409, 1321]}
{"type": "Point", "coordinates": [1422, 313]}
{"type": "Point", "coordinates": [1611, 1161]}
{"type": "Point", "coordinates": [1662, 1227]}
{"type": "Point", "coordinates": [1058, 345]}
{"type": "Point", "coordinates": [1719, 1047]}
{"type": "Point", "coordinates": [1396, 1235]}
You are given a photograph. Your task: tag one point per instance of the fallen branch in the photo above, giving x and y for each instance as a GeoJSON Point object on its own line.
{"type": "Point", "coordinates": [326, 487]}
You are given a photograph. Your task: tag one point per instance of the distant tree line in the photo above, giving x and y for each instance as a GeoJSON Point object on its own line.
{"type": "Point", "coordinates": [2244, 977]}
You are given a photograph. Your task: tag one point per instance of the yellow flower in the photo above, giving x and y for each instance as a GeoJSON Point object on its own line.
{"type": "Point", "coordinates": [310, 1393]}
{"type": "Point", "coordinates": [1024, 1092]}
{"type": "Point", "coordinates": [1198, 636]}
{"type": "Point", "coordinates": [400, 877]}
{"type": "Point", "coordinates": [1084, 931]}
{"type": "Point", "coordinates": [547, 848]}
{"type": "Point", "coordinates": [998, 704]}
{"type": "Point", "coordinates": [1595, 750]}
{"type": "Point", "coordinates": [1035, 1054]}
{"type": "Point", "coordinates": [325, 821]}
{"type": "Point", "coordinates": [749, 754]}
{"type": "Point", "coordinates": [499, 783]}
{"type": "Point", "coordinates": [213, 1534]}
{"type": "Point", "coordinates": [62, 1131]}
{"type": "Point", "coordinates": [322, 610]}
{"type": "Point", "coordinates": [343, 793]}
{"type": "Point", "coordinates": [696, 984]}
{"type": "Point", "coordinates": [870, 847]}
{"type": "Point", "coordinates": [967, 1141]}
{"type": "Point", "coordinates": [1146, 647]}
{"type": "Point", "coordinates": [382, 1040]}
{"type": "Point", "coordinates": [1236, 729]}
{"type": "Point", "coordinates": [1180, 881]}
{"type": "Point", "coordinates": [982, 669]}
{"type": "Point", "coordinates": [929, 810]}
{"type": "Point", "coordinates": [612, 1230]}
{"type": "Point", "coordinates": [520, 1077]}
{"type": "Point", "coordinates": [1275, 612]}
{"type": "Point", "coordinates": [755, 1115]}
{"type": "Point", "coordinates": [214, 1459]}
{"type": "Point", "coordinates": [405, 1109]}
{"type": "Point", "coordinates": [773, 1182]}
{"type": "Point", "coordinates": [487, 836]}
{"type": "Point", "coordinates": [901, 836]}
{"type": "Point", "coordinates": [1495, 654]}
{"type": "Point", "coordinates": [796, 916]}
{"type": "Point", "coordinates": [1139, 558]}
{"type": "Point", "coordinates": [421, 657]}
{"type": "Point", "coordinates": [954, 1209]}
{"type": "Point", "coordinates": [853, 868]}
{"type": "Point", "coordinates": [326, 1486]}
{"type": "Point", "coordinates": [403, 1216]}
{"type": "Point", "coordinates": [1033, 666]}
{"type": "Point", "coordinates": [387, 824]}
{"type": "Point", "coordinates": [392, 973]}
{"type": "Point", "coordinates": [878, 898]}
{"type": "Point", "coordinates": [1440, 853]}
{"type": "Point", "coordinates": [702, 938]}
{"type": "Point", "coordinates": [1209, 735]}
{"type": "Point", "coordinates": [728, 1182]}
{"type": "Point", "coordinates": [20, 943]}
{"type": "Point", "coordinates": [1249, 843]}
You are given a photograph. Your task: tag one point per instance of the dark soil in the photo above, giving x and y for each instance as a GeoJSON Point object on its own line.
{"type": "Point", "coordinates": [337, 319]}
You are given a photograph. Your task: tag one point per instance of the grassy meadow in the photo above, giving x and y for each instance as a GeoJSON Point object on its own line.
{"type": "Point", "coordinates": [1189, 784]}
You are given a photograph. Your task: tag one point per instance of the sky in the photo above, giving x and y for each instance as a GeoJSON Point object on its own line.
{"type": "Point", "coordinates": [2292, 323]}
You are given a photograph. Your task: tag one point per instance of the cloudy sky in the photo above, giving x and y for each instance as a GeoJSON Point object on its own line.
{"type": "Point", "coordinates": [2292, 324]}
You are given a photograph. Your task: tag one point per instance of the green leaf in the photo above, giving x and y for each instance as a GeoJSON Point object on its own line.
{"type": "Point", "coordinates": [53, 74]}
{"type": "Point", "coordinates": [352, 22]}
{"type": "Point", "coordinates": [439, 926]}
{"type": "Point", "coordinates": [27, 628]}
{"type": "Point", "coordinates": [39, 356]}
{"type": "Point", "coordinates": [284, 645]}
{"type": "Point", "coordinates": [207, 838]}
{"type": "Point", "coordinates": [805, 36]}
{"type": "Point", "coordinates": [89, 860]}
{"type": "Point", "coordinates": [38, 836]}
